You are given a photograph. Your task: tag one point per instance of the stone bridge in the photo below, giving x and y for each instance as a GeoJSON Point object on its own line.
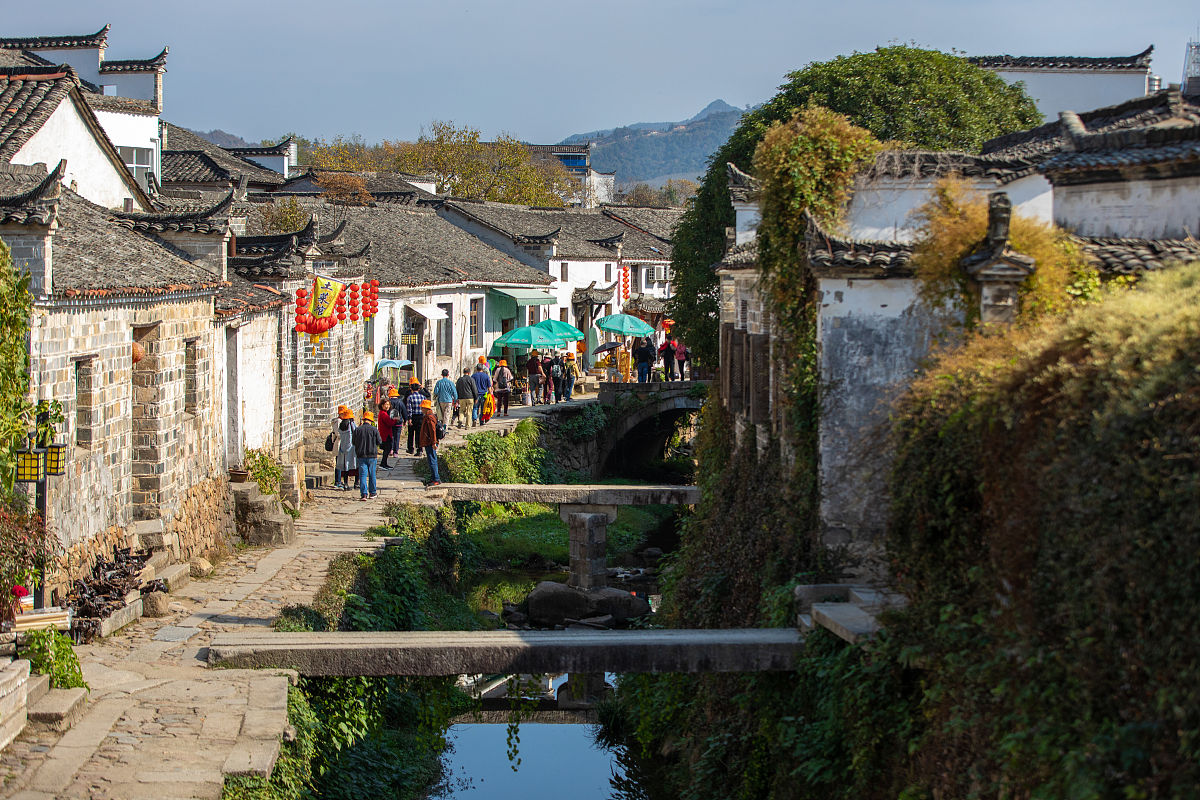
{"type": "Point", "coordinates": [646, 418]}
{"type": "Point", "coordinates": [511, 652]}
{"type": "Point", "coordinates": [587, 510]}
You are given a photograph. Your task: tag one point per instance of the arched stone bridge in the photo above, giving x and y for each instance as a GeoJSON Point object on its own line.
{"type": "Point", "coordinates": [648, 415]}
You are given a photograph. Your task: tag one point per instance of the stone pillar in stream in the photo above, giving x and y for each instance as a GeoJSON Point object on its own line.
{"type": "Point", "coordinates": [589, 535]}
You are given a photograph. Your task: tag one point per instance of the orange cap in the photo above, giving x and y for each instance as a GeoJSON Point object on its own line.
{"type": "Point", "coordinates": [368, 416]}
{"type": "Point", "coordinates": [570, 356]}
{"type": "Point", "coordinates": [392, 392]}
{"type": "Point", "coordinates": [345, 413]}
{"type": "Point", "coordinates": [503, 363]}
{"type": "Point", "coordinates": [426, 404]}
{"type": "Point", "coordinates": [413, 381]}
{"type": "Point", "coordinates": [483, 359]}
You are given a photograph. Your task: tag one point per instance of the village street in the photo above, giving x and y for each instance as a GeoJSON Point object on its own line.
{"type": "Point", "coordinates": [158, 723]}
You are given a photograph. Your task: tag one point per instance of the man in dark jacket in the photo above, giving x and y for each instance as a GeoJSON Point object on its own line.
{"type": "Point", "coordinates": [468, 393]}
{"type": "Point", "coordinates": [428, 441]}
{"type": "Point", "coordinates": [644, 357]}
{"type": "Point", "coordinates": [366, 449]}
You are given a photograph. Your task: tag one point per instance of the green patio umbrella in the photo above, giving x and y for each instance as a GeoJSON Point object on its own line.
{"type": "Point", "coordinates": [563, 330]}
{"type": "Point", "coordinates": [530, 336]}
{"type": "Point", "coordinates": [624, 324]}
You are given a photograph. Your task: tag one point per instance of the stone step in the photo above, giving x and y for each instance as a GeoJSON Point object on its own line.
{"type": "Point", "coordinates": [276, 530]}
{"type": "Point", "coordinates": [252, 757]}
{"type": "Point", "coordinates": [846, 620]}
{"type": "Point", "coordinates": [175, 576]}
{"type": "Point", "coordinates": [36, 688]}
{"type": "Point", "coordinates": [58, 710]}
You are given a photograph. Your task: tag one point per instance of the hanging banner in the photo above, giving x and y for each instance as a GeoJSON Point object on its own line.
{"type": "Point", "coordinates": [324, 296]}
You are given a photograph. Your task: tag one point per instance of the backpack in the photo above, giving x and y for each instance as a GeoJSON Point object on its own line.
{"type": "Point", "coordinates": [556, 370]}
{"type": "Point", "coordinates": [502, 379]}
{"type": "Point", "coordinates": [329, 443]}
{"type": "Point", "coordinates": [441, 431]}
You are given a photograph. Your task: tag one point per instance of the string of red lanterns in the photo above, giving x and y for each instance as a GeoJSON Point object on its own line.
{"type": "Point", "coordinates": [353, 301]}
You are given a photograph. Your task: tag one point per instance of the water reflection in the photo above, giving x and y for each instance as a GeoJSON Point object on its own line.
{"type": "Point", "coordinates": [556, 761]}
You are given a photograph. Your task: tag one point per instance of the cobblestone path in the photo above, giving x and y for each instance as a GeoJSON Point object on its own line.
{"type": "Point", "coordinates": [159, 724]}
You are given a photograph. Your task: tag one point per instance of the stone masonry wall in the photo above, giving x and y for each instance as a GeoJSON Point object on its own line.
{"type": "Point", "coordinates": [81, 356]}
{"type": "Point", "coordinates": [30, 254]}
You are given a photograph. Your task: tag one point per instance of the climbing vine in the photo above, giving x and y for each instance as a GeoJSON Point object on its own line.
{"type": "Point", "coordinates": [16, 306]}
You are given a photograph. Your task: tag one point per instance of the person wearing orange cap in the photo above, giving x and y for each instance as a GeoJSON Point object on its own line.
{"type": "Point", "coordinates": [427, 440]}
{"type": "Point", "coordinates": [502, 380]}
{"type": "Point", "coordinates": [345, 462]}
{"type": "Point", "coordinates": [572, 374]}
{"type": "Point", "coordinates": [366, 449]}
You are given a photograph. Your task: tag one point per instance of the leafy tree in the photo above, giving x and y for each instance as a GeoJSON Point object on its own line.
{"type": "Point", "coordinates": [344, 187]}
{"type": "Point", "coordinates": [503, 170]}
{"type": "Point", "coordinates": [283, 216]}
{"type": "Point", "coordinates": [673, 193]}
{"type": "Point", "coordinates": [923, 98]}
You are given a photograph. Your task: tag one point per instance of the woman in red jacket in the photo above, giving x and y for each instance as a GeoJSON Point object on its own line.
{"type": "Point", "coordinates": [386, 424]}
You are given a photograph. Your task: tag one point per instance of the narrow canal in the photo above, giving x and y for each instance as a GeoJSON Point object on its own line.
{"type": "Point", "coordinates": [556, 760]}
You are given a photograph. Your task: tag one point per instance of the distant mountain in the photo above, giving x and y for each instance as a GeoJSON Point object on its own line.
{"type": "Point", "coordinates": [652, 152]}
{"type": "Point", "coordinates": [222, 139]}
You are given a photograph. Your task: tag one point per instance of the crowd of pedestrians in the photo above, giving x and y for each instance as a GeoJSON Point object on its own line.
{"type": "Point", "coordinates": [419, 417]}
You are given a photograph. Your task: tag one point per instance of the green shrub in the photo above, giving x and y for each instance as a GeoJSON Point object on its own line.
{"type": "Point", "coordinates": [265, 469]}
{"type": "Point", "coordinates": [50, 653]}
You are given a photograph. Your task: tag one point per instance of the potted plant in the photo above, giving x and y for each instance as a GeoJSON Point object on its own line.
{"type": "Point", "coordinates": [238, 475]}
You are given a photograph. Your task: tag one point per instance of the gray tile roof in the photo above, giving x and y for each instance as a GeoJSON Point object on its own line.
{"type": "Point", "coordinates": [192, 166]}
{"type": "Point", "coordinates": [740, 256]}
{"type": "Point", "coordinates": [210, 219]}
{"type": "Point", "coordinates": [1044, 141]}
{"type": "Point", "coordinates": [30, 195]}
{"type": "Point", "coordinates": [834, 256]}
{"type": "Point", "coordinates": [742, 185]}
{"type": "Point", "coordinates": [657, 222]}
{"type": "Point", "coordinates": [413, 246]}
{"type": "Point", "coordinates": [154, 64]}
{"type": "Point", "coordinates": [123, 105]}
{"type": "Point", "coordinates": [94, 256]}
{"type": "Point", "coordinates": [97, 39]}
{"type": "Point", "coordinates": [1007, 158]}
{"type": "Point", "coordinates": [1139, 62]}
{"type": "Point", "coordinates": [281, 149]}
{"type": "Point", "coordinates": [393, 186]}
{"type": "Point", "coordinates": [218, 163]}
{"type": "Point", "coordinates": [1131, 256]}
{"type": "Point", "coordinates": [28, 96]}
{"type": "Point", "coordinates": [1175, 139]}
{"type": "Point", "coordinates": [243, 296]}
{"type": "Point", "coordinates": [587, 233]}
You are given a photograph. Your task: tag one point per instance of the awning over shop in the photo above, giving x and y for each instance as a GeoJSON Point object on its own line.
{"type": "Point", "coordinates": [527, 297]}
{"type": "Point", "coordinates": [427, 310]}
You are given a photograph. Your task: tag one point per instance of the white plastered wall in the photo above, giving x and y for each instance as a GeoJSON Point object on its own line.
{"type": "Point", "coordinates": [1077, 90]}
{"type": "Point", "coordinates": [66, 135]}
{"type": "Point", "coordinates": [1159, 209]}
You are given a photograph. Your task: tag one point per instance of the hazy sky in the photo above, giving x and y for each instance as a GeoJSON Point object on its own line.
{"type": "Point", "coordinates": [543, 70]}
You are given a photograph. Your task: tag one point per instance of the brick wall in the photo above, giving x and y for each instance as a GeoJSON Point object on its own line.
{"type": "Point", "coordinates": [139, 450]}
{"type": "Point", "coordinates": [30, 254]}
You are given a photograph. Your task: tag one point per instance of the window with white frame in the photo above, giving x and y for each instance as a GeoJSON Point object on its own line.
{"type": "Point", "coordinates": [140, 161]}
{"type": "Point", "coordinates": [445, 330]}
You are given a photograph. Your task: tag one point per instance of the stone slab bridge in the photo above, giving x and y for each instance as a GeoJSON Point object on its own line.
{"type": "Point", "coordinates": [509, 652]}
{"type": "Point", "coordinates": [587, 510]}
